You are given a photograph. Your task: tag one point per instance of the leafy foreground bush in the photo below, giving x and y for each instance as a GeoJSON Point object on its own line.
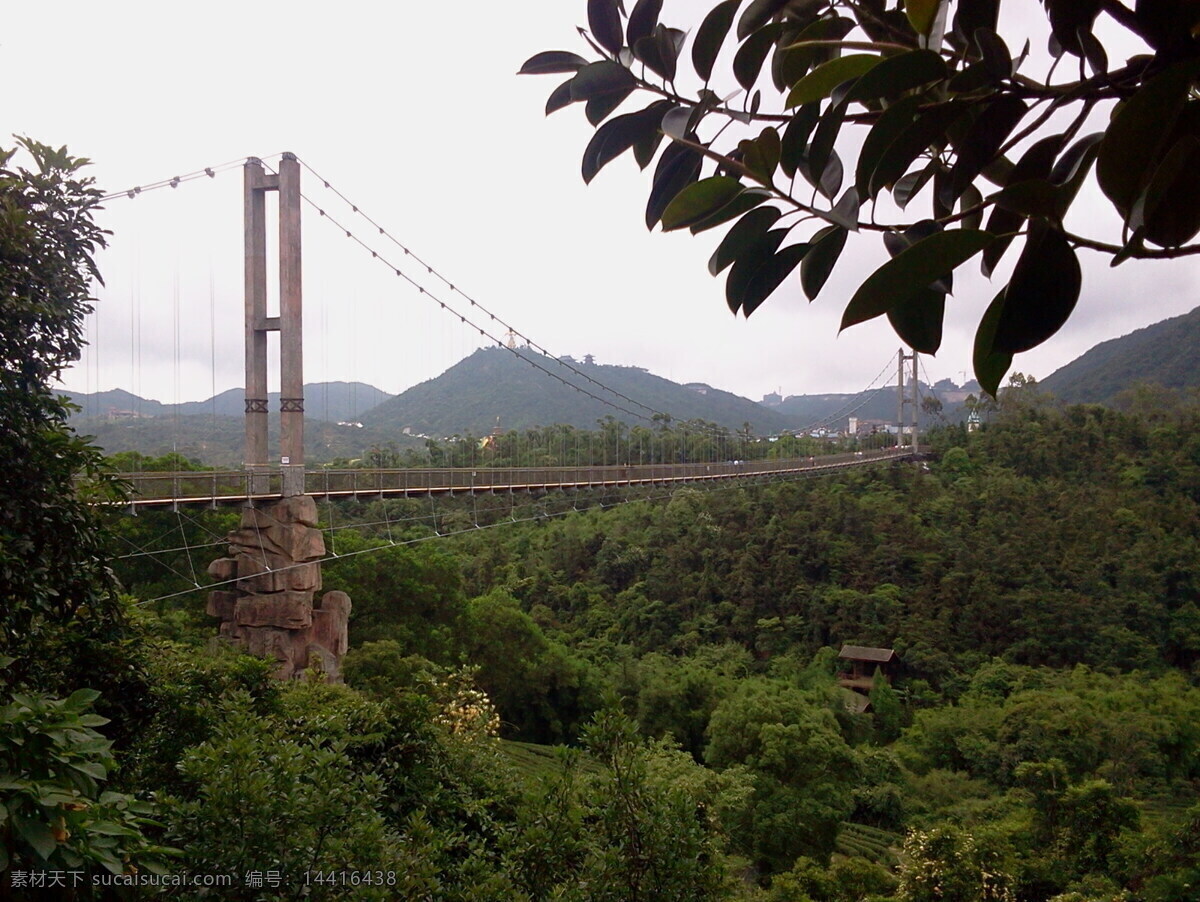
{"type": "Point", "coordinates": [53, 813]}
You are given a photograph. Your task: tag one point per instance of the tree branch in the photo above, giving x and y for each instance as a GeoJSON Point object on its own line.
{"type": "Point", "coordinates": [1166, 253]}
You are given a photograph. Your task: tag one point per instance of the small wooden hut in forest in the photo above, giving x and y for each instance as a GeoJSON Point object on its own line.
{"type": "Point", "coordinates": [863, 659]}
{"type": "Point", "coordinates": [856, 681]}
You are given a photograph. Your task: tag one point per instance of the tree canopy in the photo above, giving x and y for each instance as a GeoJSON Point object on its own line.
{"type": "Point", "coordinates": [54, 575]}
{"type": "Point", "coordinates": [914, 121]}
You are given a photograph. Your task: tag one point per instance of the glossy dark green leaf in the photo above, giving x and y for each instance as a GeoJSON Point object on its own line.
{"type": "Point", "coordinates": [887, 128]}
{"type": "Point", "coordinates": [745, 234]}
{"type": "Point", "coordinates": [749, 59]}
{"type": "Point", "coordinates": [990, 365]}
{"type": "Point", "coordinates": [559, 97]}
{"type": "Point", "coordinates": [650, 50]}
{"type": "Point", "coordinates": [1170, 206]}
{"type": "Point", "coordinates": [37, 833]}
{"type": "Point", "coordinates": [921, 14]}
{"type": "Point", "coordinates": [845, 211]}
{"type": "Point", "coordinates": [679, 38]}
{"type": "Point", "coordinates": [598, 79]}
{"type": "Point", "coordinates": [795, 137]}
{"type": "Point", "coordinates": [897, 74]}
{"type": "Point", "coordinates": [1050, 198]}
{"type": "Point", "coordinates": [552, 61]}
{"type": "Point", "coordinates": [1093, 52]}
{"type": "Point", "coordinates": [646, 147]}
{"type": "Point", "coordinates": [699, 200]}
{"type": "Point", "coordinates": [761, 155]}
{"type": "Point", "coordinates": [971, 15]}
{"type": "Point", "coordinates": [680, 121]}
{"type": "Point", "coordinates": [668, 42]}
{"type": "Point", "coordinates": [829, 180]}
{"type": "Point", "coordinates": [1134, 143]}
{"type": "Point", "coordinates": [757, 14]}
{"type": "Point", "coordinates": [1070, 17]}
{"type": "Point", "coordinates": [642, 20]}
{"type": "Point", "coordinates": [820, 82]}
{"type": "Point", "coordinates": [1041, 293]}
{"type": "Point", "coordinates": [793, 61]}
{"type": "Point", "coordinates": [918, 320]}
{"type": "Point", "coordinates": [927, 129]}
{"type": "Point", "coordinates": [897, 242]}
{"type": "Point", "coordinates": [911, 271]}
{"type": "Point", "coordinates": [943, 204]}
{"type": "Point", "coordinates": [711, 35]}
{"type": "Point", "coordinates": [1032, 197]}
{"type": "Point", "coordinates": [600, 108]}
{"type": "Point", "coordinates": [1072, 167]}
{"type": "Point", "coordinates": [971, 205]}
{"type": "Point", "coordinates": [818, 263]}
{"type": "Point", "coordinates": [983, 142]}
{"type": "Point", "coordinates": [885, 24]}
{"type": "Point", "coordinates": [994, 52]}
{"type": "Point", "coordinates": [743, 203]}
{"type": "Point", "coordinates": [614, 138]}
{"type": "Point", "coordinates": [826, 133]}
{"type": "Point", "coordinates": [604, 21]}
{"type": "Point", "coordinates": [659, 51]}
{"type": "Point", "coordinates": [677, 168]}
{"type": "Point", "coordinates": [1038, 160]}
{"type": "Point", "coordinates": [644, 150]}
{"type": "Point", "coordinates": [974, 78]}
{"type": "Point", "coordinates": [771, 274]}
{"type": "Point", "coordinates": [747, 265]}
{"type": "Point", "coordinates": [1035, 163]}
{"type": "Point", "coordinates": [909, 186]}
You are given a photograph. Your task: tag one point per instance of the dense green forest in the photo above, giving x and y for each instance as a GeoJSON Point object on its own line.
{"type": "Point", "coordinates": [610, 697]}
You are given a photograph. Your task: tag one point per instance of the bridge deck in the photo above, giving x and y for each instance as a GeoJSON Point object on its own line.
{"type": "Point", "coordinates": [239, 487]}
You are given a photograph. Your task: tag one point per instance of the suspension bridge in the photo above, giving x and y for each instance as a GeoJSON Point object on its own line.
{"type": "Point", "coordinates": [262, 592]}
{"type": "Point", "coordinates": [267, 476]}
{"type": "Point", "coordinates": [239, 487]}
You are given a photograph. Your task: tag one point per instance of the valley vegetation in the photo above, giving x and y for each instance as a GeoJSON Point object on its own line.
{"type": "Point", "coordinates": [639, 701]}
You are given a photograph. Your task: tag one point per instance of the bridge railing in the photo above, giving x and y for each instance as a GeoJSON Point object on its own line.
{"type": "Point", "coordinates": [234, 486]}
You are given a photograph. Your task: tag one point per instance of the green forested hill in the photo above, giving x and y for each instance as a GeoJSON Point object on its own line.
{"type": "Point", "coordinates": [832, 410]}
{"type": "Point", "coordinates": [494, 385]}
{"type": "Point", "coordinates": [1164, 354]}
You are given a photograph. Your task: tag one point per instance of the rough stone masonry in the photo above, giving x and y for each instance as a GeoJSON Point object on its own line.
{"type": "Point", "coordinates": [274, 556]}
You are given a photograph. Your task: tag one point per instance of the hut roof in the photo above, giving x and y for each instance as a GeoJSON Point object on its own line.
{"type": "Point", "coordinates": [867, 653]}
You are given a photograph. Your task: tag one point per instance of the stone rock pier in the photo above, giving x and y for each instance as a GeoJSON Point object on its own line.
{"type": "Point", "coordinates": [274, 556]}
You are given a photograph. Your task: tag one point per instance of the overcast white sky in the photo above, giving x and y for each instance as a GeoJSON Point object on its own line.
{"type": "Point", "coordinates": [414, 111]}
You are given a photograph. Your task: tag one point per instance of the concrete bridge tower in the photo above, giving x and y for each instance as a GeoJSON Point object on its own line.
{"type": "Point", "coordinates": [273, 565]}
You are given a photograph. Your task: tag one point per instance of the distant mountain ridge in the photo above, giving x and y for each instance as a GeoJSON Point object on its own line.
{"type": "Point", "coordinates": [1164, 354]}
{"type": "Point", "coordinates": [495, 385]}
{"type": "Point", "coordinates": [332, 401]}
{"type": "Point", "coordinates": [492, 387]}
